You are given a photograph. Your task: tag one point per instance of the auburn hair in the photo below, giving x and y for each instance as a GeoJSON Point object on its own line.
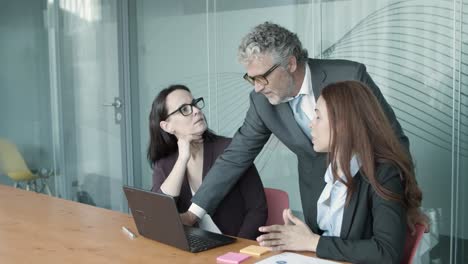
{"type": "Point", "coordinates": [359, 126]}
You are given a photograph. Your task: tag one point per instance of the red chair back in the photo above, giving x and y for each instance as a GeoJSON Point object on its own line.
{"type": "Point", "coordinates": [411, 244]}
{"type": "Point", "coordinates": [277, 201]}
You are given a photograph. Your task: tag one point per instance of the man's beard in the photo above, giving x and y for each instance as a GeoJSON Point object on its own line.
{"type": "Point", "coordinates": [291, 86]}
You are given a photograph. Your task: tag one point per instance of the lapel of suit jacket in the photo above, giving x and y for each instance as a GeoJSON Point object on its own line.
{"type": "Point", "coordinates": [301, 139]}
{"type": "Point", "coordinates": [348, 213]}
{"type": "Point", "coordinates": [208, 157]}
{"type": "Point", "coordinates": [286, 114]}
{"type": "Point", "coordinates": [318, 76]}
{"type": "Point", "coordinates": [185, 190]}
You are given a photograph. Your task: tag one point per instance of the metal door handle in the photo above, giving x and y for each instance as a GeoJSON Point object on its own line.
{"type": "Point", "coordinates": [117, 103]}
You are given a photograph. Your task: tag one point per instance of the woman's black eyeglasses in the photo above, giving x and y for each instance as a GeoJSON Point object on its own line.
{"type": "Point", "coordinates": [187, 109]}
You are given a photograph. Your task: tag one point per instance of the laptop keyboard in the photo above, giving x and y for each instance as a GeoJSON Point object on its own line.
{"type": "Point", "coordinates": [199, 243]}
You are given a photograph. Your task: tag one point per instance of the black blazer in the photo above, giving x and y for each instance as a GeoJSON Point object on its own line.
{"type": "Point", "coordinates": [373, 229]}
{"type": "Point", "coordinates": [244, 208]}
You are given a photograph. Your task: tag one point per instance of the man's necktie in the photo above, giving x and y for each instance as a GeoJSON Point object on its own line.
{"type": "Point", "coordinates": [301, 117]}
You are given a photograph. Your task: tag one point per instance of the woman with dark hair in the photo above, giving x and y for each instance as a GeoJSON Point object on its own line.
{"type": "Point", "coordinates": [368, 186]}
{"type": "Point", "coordinates": [182, 150]}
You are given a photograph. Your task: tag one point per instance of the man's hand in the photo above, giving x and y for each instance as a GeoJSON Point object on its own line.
{"type": "Point", "coordinates": [416, 216]}
{"type": "Point", "coordinates": [188, 218]}
{"type": "Point", "coordinates": [293, 235]}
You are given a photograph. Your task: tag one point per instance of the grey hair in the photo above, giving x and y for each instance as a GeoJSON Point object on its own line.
{"type": "Point", "coordinates": [272, 39]}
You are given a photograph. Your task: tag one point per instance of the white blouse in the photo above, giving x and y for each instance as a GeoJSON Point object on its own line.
{"type": "Point", "coordinates": [330, 205]}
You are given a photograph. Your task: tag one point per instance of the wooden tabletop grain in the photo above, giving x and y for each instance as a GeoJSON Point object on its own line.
{"type": "Point", "coordinates": [36, 228]}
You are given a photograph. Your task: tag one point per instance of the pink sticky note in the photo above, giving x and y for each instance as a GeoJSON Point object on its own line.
{"type": "Point", "coordinates": [232, 258]}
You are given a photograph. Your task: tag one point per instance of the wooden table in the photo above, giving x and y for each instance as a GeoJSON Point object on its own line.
{"type": "Point", "coordinates": [35, 228]}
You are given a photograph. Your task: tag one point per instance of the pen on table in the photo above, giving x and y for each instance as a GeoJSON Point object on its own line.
{"type": "Point", "coordinates": [128, 232]}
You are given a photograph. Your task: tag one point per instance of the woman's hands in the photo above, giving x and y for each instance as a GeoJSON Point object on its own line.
{"type": "Point", "coordinates": [293, 235]}
{"type": "Point", "coordinates": [416, 216]}
{"type": "Point", "coordinates": [173, 183]}
{"type": "Point", "coordinates": [184, 143]}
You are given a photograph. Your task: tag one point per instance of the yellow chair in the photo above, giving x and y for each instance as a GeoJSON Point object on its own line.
{"type": "Point", "coordinates": [13, 165]}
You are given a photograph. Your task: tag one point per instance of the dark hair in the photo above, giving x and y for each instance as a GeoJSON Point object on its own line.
{"type": "Point", "coordinates": [163, 144]}
{"type": "Point", "coordinates": [359, 126]}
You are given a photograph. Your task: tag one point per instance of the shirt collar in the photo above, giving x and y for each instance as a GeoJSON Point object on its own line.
{"type": "Point", "coordinates": [306, 86]}
{"type": "Point", "coordinates": [354, 166]}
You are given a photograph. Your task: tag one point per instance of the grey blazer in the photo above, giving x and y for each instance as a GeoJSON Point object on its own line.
{"type": "Point", "coordinates": [263, 119]}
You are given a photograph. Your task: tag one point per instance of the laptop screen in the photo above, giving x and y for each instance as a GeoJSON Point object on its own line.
{"type": "Point", "coordinates": [156, 217]}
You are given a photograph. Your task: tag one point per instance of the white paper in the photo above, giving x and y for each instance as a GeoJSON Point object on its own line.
{"type": "Point", "coordinates": [293, 258]}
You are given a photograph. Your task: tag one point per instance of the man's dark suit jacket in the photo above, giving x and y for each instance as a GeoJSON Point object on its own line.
{"type": "Point", "coordinates": [241, 212]}
{"type": "Point", "coordinates": [263, 119]}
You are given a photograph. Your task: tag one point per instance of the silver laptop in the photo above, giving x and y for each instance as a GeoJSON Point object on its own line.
{"type": "Point", "coordinates": [157, 218]}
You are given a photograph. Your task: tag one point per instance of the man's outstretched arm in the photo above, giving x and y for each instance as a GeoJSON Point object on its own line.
{"type": "Point", "coordinates": [230, 166]}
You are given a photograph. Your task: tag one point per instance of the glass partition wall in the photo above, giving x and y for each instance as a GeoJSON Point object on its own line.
{"type": "Point", "coordinates": [78, 77]}
{"type": "Point", "coordinates": [61, 100]}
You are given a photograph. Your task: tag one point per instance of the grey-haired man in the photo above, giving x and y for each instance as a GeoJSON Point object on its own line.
{"type": "Point", "coordinates": [279, 68]}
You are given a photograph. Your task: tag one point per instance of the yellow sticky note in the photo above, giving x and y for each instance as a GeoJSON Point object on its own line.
{"type": "Point", "coordinates": [254, 250]}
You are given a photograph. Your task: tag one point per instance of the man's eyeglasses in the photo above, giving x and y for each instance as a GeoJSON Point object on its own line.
{"type": "Point", "coordinates": [187, 109]}
{"type": "Point", "coordinates": [260, 79]}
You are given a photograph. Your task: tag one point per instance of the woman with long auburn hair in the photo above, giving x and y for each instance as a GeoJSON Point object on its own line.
{"type": "Point", "coordinates": [369, 183]}
{"type": "Point", "coordinates": [182, 150]}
